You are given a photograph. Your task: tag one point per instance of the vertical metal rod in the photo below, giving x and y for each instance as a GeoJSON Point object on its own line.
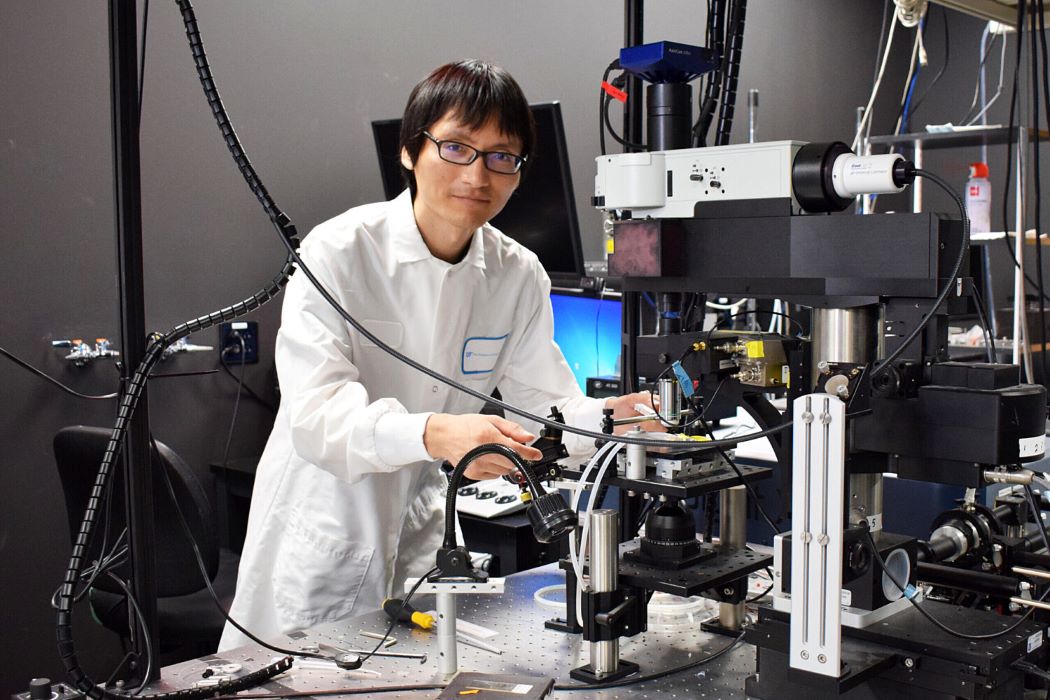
{"type": "Point", "coordinates": [916, 186]}
{"type": "Point", "coordinates": [1022, 351]}
{"type": "Point", "coordinates": [752, 115]}
{"type": "Point", "coordinates": [123, 39]}
{"type": "Point", "coordinates": [860, 203]}
{"type": "Point", "coordinates": [634, 30]}
{"type": "Point", "coordinates": [807, 512]}
{"type": "Point", "coordinates": [605, 655]}
{"type": "Point", "coordinates": [732, 530]}
{"type": "Point", "coordinates": [446, 631]}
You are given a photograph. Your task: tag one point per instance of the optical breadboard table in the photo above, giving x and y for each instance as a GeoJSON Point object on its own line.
{"type": "Point", "coordinates": [528, 649]}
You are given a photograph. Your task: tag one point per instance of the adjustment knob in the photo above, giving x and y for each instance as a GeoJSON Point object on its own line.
{"type": "Point", "coordinates": [40, 689]}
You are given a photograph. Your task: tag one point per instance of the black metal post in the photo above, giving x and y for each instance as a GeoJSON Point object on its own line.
{"type": "Point", "coordinates": [128, 200]}
{"type": "Point", "coordinates": [634, 29]}
{"type": "Point", "coordinates": [633, 26]}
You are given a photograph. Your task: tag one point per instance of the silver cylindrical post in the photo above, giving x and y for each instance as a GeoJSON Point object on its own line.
{"type": "Point", "coordinates": [732, 531]}
{"type": "Point", "coordinates": [851, 336]}
{"type": "Point", "coordinates": [670, 400]}
{"type": "Point", "coordinates": [635, 457]}
{"type": "Point", "coordinates": [446, 633]}
{"type": "Point", "coordinates": [605, 526]}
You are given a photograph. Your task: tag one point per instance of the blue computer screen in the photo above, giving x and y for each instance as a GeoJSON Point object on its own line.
{"type": "Point", "coordinates": [587, 330]}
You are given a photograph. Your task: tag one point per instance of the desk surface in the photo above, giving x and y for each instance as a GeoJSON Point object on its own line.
{"type": "Point", "coordinates": [528, 649]}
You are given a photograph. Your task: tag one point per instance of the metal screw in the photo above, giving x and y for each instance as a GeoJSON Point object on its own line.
{"type": "Point", "coordinates": [822, 659]}
{"type": "Point", "coordinates": [825, 418]}
{"type": "Point", "coordinates": [805, 654]}
{"type": "Point", "coordinates": [909, 662]}
{"type": "Point", "coordinates": [728, 590]}
{"type": "Point", "coordinates": [807, 417]}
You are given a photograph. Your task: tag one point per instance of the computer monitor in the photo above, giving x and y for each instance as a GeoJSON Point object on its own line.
{"type": "Point", "coordinates": [587, 329]}
{"type": "Point", "coordinates": [541, 215]}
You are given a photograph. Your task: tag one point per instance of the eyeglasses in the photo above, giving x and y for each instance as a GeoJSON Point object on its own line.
{"type": "Point", "coordinates": [462, 154]}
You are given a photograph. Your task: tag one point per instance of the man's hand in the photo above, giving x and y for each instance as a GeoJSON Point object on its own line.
{"type": "Point", "coordinates": [623, 407]}
{"type": "Point", "coordinates": [450, 437]}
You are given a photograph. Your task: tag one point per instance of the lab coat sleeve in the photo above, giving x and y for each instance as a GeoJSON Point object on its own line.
{"type": "Point", "coordinates": [538, 376]}
{"type": "Point", "coordinates": [334, 424]}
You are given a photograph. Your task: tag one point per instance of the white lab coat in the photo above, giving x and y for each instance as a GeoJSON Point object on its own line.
{"type": "Point", "coordinates": [347, 502]}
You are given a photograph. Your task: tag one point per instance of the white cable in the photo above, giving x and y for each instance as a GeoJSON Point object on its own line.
{"type": "Point", "coordinates": [998, 90]}
{"type": "Point", "coordinates": [574, 556]}
{"type": "Point", "coordinates": [907, 82]}
{"type": "Point", "coordinates": [581, 556]}
{"type": "Point", "coordinates": [866, 119]}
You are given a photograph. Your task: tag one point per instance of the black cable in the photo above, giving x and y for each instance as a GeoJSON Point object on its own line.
{"type": "Point", "coordinates": [1020, 28]}
{"type": "Point", "coordinates": [73, 392]}
{"type": "Point", "coordinates": [1029, 667]}
{"type": "Point", "coordinates": [1040, 5]}
{"type": "Point", "coordinates": [761, 595]}
{"type": "Point", "coordinates": [332, 691]}
{"type": "Point", "coordinates": [986, 328]}
{"type": "Point", "coordinates": [925, 613]}
{"type": "Point", "coordinates": [141, 620]}
{"type": "Point", "coordinates": [236, 405]}
{"type": "Point", "coordinates": [612, 131]}
{"type": "Point", "coordinates": [977, 87]}
{"type": "Point", "coordinates": [199, 558]}
{"type": "Point", "coordinates": [1034, 49]}
{"type": "Point", "coordinates": [716, 30]}
{"type": "Point", "coordinates": [734, 49]}
{"type": "Point", "coordinates": [194, 373]}
{"type": "Point", "coordinates": [912, 108]}
{"type": "Point", "coordinates": [142, 54]}
{"type": "Point", "coordinates": [602, 110]}
{"type": "Point", "coordinates": [722, 321]}
{"type": "Point", "coordinates": [396, 617]}
{"type": "Point", "coordinates": [948, 286]}
{"type": "Point", "coordinates": [244, 387]}
{"type": "Point", "coordinates": [740, 475]}
{"type": "Point", "coordinates": [656, 676]}
{"type": "Point", "coordinates": [1037, 516]}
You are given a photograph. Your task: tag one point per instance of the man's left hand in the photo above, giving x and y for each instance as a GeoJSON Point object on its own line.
{"type": "Point", "coordinates": [624, 407]}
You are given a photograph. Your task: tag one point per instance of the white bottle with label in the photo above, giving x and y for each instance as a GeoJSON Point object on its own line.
{"type": "Point", "coordinates": [979, 199]}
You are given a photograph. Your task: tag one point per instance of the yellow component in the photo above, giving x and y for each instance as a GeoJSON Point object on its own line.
{"type": "Point", "coordinates": [755, 349]}
{"type": "Point", "coordinates": [423, 620]}
{"type": "Point", "coordinates": [470, 691]}
{"type": "Point", "coordinates": [610, 246]}
{"type": "Point", "coordinates": [526, 497]}
{"type": "Point", "coordinates": [698, 347]}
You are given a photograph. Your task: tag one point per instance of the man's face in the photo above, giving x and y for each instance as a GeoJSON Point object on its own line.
{"type": "Point", "coordinates": [454, 199]}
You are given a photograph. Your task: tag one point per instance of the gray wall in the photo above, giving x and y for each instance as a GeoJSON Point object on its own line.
{"type": "Point", "coordinates": [302, 80]}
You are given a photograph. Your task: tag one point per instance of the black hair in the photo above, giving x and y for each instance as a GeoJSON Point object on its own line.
{"type": "Point", "coordinates": [474, 91]}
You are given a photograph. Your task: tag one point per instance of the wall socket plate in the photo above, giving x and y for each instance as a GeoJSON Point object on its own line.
{"type": "Point", "coordinates": [230, 346]}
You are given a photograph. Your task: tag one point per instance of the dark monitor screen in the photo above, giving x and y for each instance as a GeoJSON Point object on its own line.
{"type": "Point", "coordinates": [541, 215]}
{"type": "Point", "coordinates": [587, 329]}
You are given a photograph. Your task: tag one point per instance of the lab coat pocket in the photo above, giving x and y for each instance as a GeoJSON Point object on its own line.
{"type": "Point", "coordinates": [317, 577]}
{"type": "Point", "coordinates": [390, 332]}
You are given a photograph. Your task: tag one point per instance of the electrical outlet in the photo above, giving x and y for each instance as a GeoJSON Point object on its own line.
{"type": "Point", "coordinates": [230, 336]}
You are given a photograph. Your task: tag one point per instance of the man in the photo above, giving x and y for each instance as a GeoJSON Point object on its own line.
{"type": "Point", "coordinates": [348, 499]}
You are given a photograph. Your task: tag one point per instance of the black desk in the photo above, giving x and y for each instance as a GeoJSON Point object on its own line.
{"type": "Point", "coordinates": [509, 539]}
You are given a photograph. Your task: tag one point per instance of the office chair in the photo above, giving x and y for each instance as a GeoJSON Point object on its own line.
{"type": "Point", "coordinates": [189, 624]}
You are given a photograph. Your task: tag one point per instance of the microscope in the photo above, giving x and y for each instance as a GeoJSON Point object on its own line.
{"type": "Point", "coordinates": [869, 390]}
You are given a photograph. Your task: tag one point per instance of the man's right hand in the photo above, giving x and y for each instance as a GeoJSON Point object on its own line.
{"type": "Point", "coordinates": [450, 437]}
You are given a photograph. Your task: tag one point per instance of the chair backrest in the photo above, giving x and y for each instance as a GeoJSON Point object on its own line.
{"type": "Point", "coordinates": [78, 454]}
